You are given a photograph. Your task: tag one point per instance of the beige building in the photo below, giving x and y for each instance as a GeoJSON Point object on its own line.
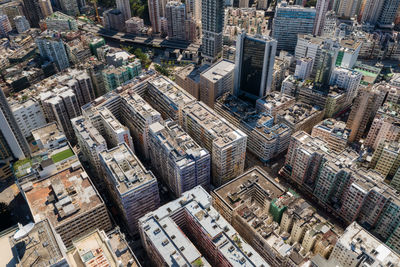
{"type": "Point", "coordinates": [216, 81]}
{"type": "Point", "coordinates": [364, 108]}
{"type": "Point", "coordinates": [226, 143]}
{"type": "Point", "coordinates": [189, 79]}
{"type": "Point", "coordinates": [333, 132]}
{"type": "Point", "coordinates": [97, 248]}
{"type": "Point", "coordinates": [283, 228]}
{"type": "Point", "coordinates": [386, 158]}
{"type": "Point", "coordinates": [274, 102]}
{"type": "Point", "coordinates": [70, 202]}
{"type": "Point", "coordinates": [300, 117]}
{"type": "Point", "coordinates": [385, 126]}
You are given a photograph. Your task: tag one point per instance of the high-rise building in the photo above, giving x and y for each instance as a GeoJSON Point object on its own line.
{"type": "Point", "coordinates": [385, 126]}
{"type": "Point", "coordinates": [324, 66]}
{"type": "Point", "coordinates": [12, 9]}
{"type": "Point", "coordinates": [357, 247]}
{"type": "Point", "coordinates": [226, 143]}
{"type": "Point", "coordinates": [176, 15]}
{"type": "Point", "coordinates": [32, 12]}
{"type": "Point", "coordinates": [215, 81]}
{"type": "Point", "coordinates": [193, 9]}
{"type": "Point", "coordinates": [320, 15]}
{"type": "Point", "coordinates": [303, 68]}
{"type": "Point", "coordinates": [330, 24]}
{"type": "Point", "coordinates": [114, 77]}
{"type": "Point", "coordinates": [61, 107]}
{"type": "Point", "coordinates": [113, 19]}
{"type": "Point", "coordinates": [138, 115]}
{"type": "Point", "coordinates": [11, 132]}
{"type": "Point", "coordinates": [5, 26]}
{"type": "Point", "coordinates": [134, 189]}
{"type": "Point", "coordinates": [388, 13]}
{"type": "Point", "coordinates": [21, 23]}
{"type": "Point", "coordinates": [45, 7]}
{"type": "Point", "coordinates": [193, 233]}
{"type": "Point", "coordinates": [69, 7]}
{"type": "Point", "coordinates": [51, 47]}
{"type": "Point", "coordinates": [125, 7]}
{"type": "Point", "coordinates": [181, 162]}
{"type": "Point", "coordinates": [288, 22]}
{"type": "Point", "coordinates": [28, 115]}
{"type": "Point", "coordinates": [212, 22]}
{"type": "Point", "coordinates": [386, 158]}
{"type": "Point", "coordinates": [189, 78]}
{"type": "Point", "coordinates": [365, 106]}
{"type": "Point", "coordinates": [347, 79]}
{"type": "Point", "coordinates": [155, 16]}
{"type": "Point", "coordinates": [69, 201]}
{"type": "Point", "coordinates": [333, 132]}
{"type": "Point", "coordinates": [348, 8]}
{"type": "Point", "coordinates": [82, 85]}
{"type": "Point", "coordinates": [254, 64]}
{"type": "Point", "coordinates": [265, 139]}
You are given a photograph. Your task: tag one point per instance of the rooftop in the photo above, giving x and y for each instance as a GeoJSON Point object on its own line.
{"type": "Point", "coordinates": [218, 70]}
{"type": "Point", "coordinates": [237, 190]}
{"type": "Point", "coordinates": [128, 172]}
{"type": "Point", "coordinates": [41, 247]}
{"type": "Point", "coordinates": [62, 197]}
{"type": "Point", "coordinates": [172, 242]}
{"type": "Point", "coordinates": [176, 141]}
{"type": "Point", "coordinates": [96, 249]}
{"type": "Point", "coordinates": [88, 132]}
{"type": "Point", "coordinates": [334, 127]}
{"type": "Point", "coordinates": [275, 100]}
{"type": "Point", "coordinates": [48, 133]}
{"type": "Point", "coordinates": [192, 72]}
{"type": "Point", "coordinates": [172, 91]}
{"type": "Point", "coordinates": [360, 241]}
{"type": "Point", "coordinates": [299, 112]}
{"type": "Point", "coordinates": [222, 131]}
{"type": "Point", "coordinates": [137, 104]}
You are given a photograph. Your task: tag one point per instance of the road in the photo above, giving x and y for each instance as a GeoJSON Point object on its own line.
{"type": "Point", "coordinates": [126, 38]}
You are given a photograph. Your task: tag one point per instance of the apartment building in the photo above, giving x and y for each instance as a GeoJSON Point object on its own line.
{"type": "Point", "coordinates": [51, 47]}
{"type": "Point", "coordinates": [116, 76]}
{"type": "Point", "coordinates": [300, 116]}
{"type": "Point", "coordinates": [216, 80]}
{"type": "Point", "coordinates": [177, 159]}
{"type": "Point", "coordinates": [274, 102]}
{"type": "Point", "coordinates": [357, 247]}
{"type": "Point", "coordinates": [59, 21]}
{"type": "Point", "coordinates": [385, 126]}
{"type": "Point", "coordinates": [364, 108]}
{"type": "Point", "coordinates": [69, 201]}
{"type": "Point", "coordinates": [333, 132]}
{"type": "Point", "coordinates": [91, 143]}
{"type": "Point", "coordinates": [265, 139]}
{"type": "Point", "coordinates": [134, 189]}
{"type": "Point", "coordinates": [167, 97]}
{"type": "Point", "coordinates": [61, 106]}
{"type": "Point", "coordinates": [81, 83]}
{"type": "Point", "coordinates": [189, 231]}
{"type": "Point", "coordinates": [282, 227]}
{"type": "Point", "coordinates": [49, 136]}
{"type": "Point", "coordinates": [386, 158]}
{"type": "Point", "coordinates": [226, 143]}
{"type": "Point", "coordinates": [138, 115]}
{"type": "Point", "coordinates": [189, 79]}
{"type": "Point", "coordinates": [28, 115]}
{"type": "Point", "coordinates": [347, 79]}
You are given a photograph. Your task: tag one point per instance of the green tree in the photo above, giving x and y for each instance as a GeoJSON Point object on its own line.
{"type": "Point", "coordinates": [163, 70]}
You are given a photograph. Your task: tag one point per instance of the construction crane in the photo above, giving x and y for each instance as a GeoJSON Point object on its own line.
{"type": "Point", "coordinates": [94, 2]}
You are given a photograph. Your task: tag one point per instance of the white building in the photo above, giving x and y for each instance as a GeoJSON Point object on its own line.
{"type": "Point", "coordinates": [347, 79]}
{"type": "Point", "coordinates": [29, 116]}
{"type": "Point", "coordinates": [177, 158]}
{"type": "Point", "coordinates": [303, 68]}
{"type": "Point", "coordinates": [22, 24]}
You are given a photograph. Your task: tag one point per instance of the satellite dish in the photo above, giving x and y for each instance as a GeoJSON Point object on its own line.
{"type": "Point", "coordinates": [24, 231]}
